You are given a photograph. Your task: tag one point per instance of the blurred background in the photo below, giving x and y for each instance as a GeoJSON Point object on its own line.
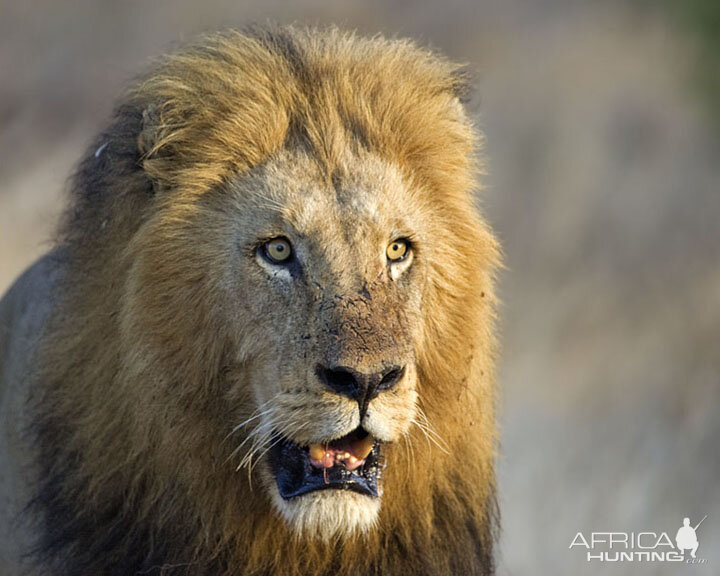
{"type": "Point", "coordinates": [603, 138]}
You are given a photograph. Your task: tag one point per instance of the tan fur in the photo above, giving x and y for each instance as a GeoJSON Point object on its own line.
{"type": "Point", "coordinates": [170, 332]}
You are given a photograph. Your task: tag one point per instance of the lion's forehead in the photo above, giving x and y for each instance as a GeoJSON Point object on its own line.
{"type": "Point", "coordinates": [366, 188]}
{"type": "Point", "coordinates": [361, 205]}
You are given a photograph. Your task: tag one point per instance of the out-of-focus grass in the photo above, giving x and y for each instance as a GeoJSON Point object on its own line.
{"type": "Point", "coordinates": [700, 20]}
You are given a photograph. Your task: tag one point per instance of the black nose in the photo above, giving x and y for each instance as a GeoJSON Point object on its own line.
{"type": "Point", "coordinates": [359, 386]}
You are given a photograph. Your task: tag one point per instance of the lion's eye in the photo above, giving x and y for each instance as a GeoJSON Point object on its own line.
{"type": "Point", "coordinates": [277, 250]}
{"type": "Point", "coordinates": [397, 250]}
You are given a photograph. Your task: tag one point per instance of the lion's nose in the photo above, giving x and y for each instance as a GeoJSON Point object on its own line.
{"type": "Point", "coordinates": [359, 386]}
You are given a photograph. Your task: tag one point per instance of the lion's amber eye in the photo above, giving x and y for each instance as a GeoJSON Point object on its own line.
{"type": "Point", "coordinates": [397, 250]}
{"type": "Point", "coordinates": [278, 250]}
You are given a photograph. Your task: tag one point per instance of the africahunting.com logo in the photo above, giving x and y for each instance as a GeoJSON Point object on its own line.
{"type": "Point", "coordinates": [641, 546]}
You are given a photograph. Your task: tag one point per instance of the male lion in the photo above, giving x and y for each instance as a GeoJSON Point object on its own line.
{"type": "Point", "coordinates": [265, 341]}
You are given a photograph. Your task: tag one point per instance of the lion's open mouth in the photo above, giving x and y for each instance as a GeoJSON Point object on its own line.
{"type": "Point", "coordinates": [348, 463]}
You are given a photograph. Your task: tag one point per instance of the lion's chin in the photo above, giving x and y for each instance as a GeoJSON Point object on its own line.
{"type": "Point", "coordinates": [331, 489]}
{"type": "Point", "coordinates": [329, 514]}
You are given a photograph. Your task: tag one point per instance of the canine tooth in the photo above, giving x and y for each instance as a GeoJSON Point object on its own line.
{"type": "Point", "coordinates": [353, 460]}
{"type": "Point", "coordinates": [317, 452]}
{"type": "Point", "coordinates": [363, 447]}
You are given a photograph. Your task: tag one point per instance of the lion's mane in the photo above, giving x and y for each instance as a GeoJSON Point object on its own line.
{"type": "Point", "coordinates": [132, 488]}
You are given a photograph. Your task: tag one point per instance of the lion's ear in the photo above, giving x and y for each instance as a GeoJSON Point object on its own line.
{"type": "Point", "coordinates": [148, 136]}
{"type": "Point", "coordinates": [462, 84]}
{"type": "Point", "coordinates": [150, 146]}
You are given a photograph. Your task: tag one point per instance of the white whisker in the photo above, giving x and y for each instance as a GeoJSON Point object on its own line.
{"type": "Point", "coordinates": [429, 427]}
{"type": "Point", "coordinates": [428, 433]}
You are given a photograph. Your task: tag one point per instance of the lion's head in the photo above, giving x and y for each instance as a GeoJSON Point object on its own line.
{"type": "Point", "coordinates": [297, 309]}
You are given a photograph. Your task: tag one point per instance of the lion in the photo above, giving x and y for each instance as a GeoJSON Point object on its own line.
{"type": "Point", "coordinates": [265, 341]}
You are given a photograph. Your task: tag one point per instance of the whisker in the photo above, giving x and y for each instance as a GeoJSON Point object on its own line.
{"type": "Point", "coordinates": [410, 451]}
{"type": "Point", "coordinates": [259, 438]}
{"type": "Point", "coordinates": [275, 442]}
{"type": "Point", "coordinates": [430, 427]}
{"type": "Point", "coordinates": [428, 436]}
{"type": "Point", "coordinates": [270, 430]}
{"type": "Point", "coordinates": [251, 436]}
{"type": "Point", "coordinates": [270, 437]}
{"type": "Point", "coordinates": [254, 416]}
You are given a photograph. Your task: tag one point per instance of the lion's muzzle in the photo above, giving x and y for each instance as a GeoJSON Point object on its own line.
{"type": "Point", "coordinates": [350, 462]}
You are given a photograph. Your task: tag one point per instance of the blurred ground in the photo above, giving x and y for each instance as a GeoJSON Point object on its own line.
{"type": "Point", "coordinates": [604, 186]}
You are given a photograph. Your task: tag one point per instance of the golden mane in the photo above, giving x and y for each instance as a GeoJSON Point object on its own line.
{"type": "Point", "coordinates": [142, 487]}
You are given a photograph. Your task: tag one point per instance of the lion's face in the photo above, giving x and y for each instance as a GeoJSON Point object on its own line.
{"type": "Point", "coordinates": [319, 288]}
{"type": "Point", "coordinates": [330, 279]}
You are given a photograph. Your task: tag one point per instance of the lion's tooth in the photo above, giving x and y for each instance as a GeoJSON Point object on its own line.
{"type": "Point", "coordinates": [317, 451]}
{"type": "Point", "coordinates": [353, 463]}
{"type": "Point", "coordinates": [363, 447]}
